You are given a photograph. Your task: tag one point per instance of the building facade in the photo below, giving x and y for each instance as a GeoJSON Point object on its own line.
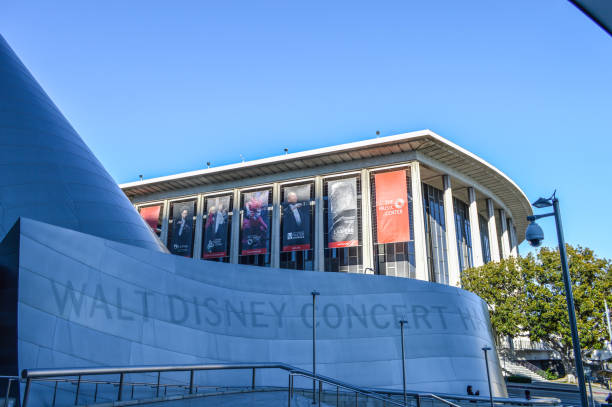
{"type": "Point", "coordinates": [412, 205]}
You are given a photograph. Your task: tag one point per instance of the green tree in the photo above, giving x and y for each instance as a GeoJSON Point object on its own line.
{"type": "Point", "coordinates": [526, 295]}
{"type": "Point", "coordinates": [502, 286]}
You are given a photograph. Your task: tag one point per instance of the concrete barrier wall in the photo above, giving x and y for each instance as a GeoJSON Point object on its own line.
{"type": "Point", "coordinates": [87, 301]}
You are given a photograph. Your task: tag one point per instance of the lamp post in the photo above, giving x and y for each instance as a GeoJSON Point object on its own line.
{"type": "Point", "coordinates": [402, 322]}
{"type": "Point", "coordinates": [314, 346]}
{"type": "Point", "coordinates": [535, 235]}
{"type": "Point", "coordinates": [485, 349]}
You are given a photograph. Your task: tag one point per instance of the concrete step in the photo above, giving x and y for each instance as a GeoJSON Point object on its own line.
{"type": "Point", "coordinates": [514, 368]}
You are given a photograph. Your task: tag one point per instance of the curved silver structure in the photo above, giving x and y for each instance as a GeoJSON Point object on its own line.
{"type": "Point", "coordinates": [86, 301]}
{"type": "Point", "coordinates": [47, 171]}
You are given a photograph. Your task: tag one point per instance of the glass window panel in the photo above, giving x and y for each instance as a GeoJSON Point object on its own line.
{"type": "Point", "coordinates": [435, 233]}
{"type": "Point", "coordinates": [398, 258]}
{"type": "Point", "coordinates": [464, 239]}
{"type": "Point", "coordinates": [217, 230]}
{"type": "Point", "coordinates": [181, 227]}
{"type": "Point", "coordinates": [336, 259]}
{"type": "Point", "coordinates": [484, 239]}
{"type": "Point", "coordinates": [255, 227]}
{"type": "Point", "coordinates": [297, 238]}
{"type": "Point", "coordinates": [152, 214]}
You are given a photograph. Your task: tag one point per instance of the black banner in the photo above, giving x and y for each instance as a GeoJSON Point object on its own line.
{"type": "Point", "coordinates": [342, 213]}
{"type": "Point", "coordinates": [296, 218]}
{"type": "Point", "coordinates": [182, 228]}
{"type": "Point", "coordinates": [255, 223]}
{"type": "Point", "coordinates": [216, 227]}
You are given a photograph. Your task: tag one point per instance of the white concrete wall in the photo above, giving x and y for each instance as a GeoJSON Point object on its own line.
{"type": "Point", "coordinates": [87, 301]}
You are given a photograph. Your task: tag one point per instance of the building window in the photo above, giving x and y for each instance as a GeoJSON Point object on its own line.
{"type": "Point", "coordinates": [255, 227]}
{"type": "Point", "coordinates": [152, 214]}
{"type": "Point", "coordinates": [297, 227]}
{"type": "Point", "coordinates": [181, 227]}
{"type": "Point", "coordinates": [464, 239]}
{"type": "Point", "coordinates": [484, 239]}
{"type": "Point", "coordinates": [217, 230]}
{"type": "Point", "coordinates": [435, 232]}
{"type": "Point", "coordinates": [342, 225]}
{"type": "Point", "coordinates": [393, 255]}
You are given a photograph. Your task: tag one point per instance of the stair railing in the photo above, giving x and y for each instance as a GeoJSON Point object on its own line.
{"type": "Point", "coordinates": [80, 376]}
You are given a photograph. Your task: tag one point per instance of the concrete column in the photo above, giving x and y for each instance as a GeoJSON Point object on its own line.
{"type": "Point", "coordinates": [275, 232]}
{"type": "Point", "coordinates": [164, 225]}
{"type": "Point", "coordinates": [505, 235]}
{"type": "Point", "coordinates": [454, 273]}
{"type": "Point", "coordinates": [475, 229]}
{"type": "Point", "coordinates": [319, 253]}
{"type": "Point", "coordinates": [420, 248]}
{"type": "Point", "coordinates": [491, 223]}
{"type": "Point", "coordinates": [513, 239]}
{"type": "Point", "coordinates": [366, 223]}
{"type": "Point", "coordinates": [235, 238]}
{"type": "Point", "coordinates": [197, 241]}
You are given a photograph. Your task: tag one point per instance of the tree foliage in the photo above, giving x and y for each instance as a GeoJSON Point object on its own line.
{"type": "Point", "coordinates": [526, 295]}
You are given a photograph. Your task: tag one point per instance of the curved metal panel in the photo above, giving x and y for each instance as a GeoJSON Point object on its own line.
{"type": "Point", "coordinates": [86, 301]}
{"type": "Point", "coordinates": [48, 173]}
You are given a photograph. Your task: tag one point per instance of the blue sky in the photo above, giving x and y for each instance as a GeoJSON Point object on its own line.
{"type": "Point", "coordinates": [156, 89]}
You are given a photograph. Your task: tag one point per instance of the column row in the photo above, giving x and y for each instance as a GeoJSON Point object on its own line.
{"type": "Point", "coordinates": [379, 221]}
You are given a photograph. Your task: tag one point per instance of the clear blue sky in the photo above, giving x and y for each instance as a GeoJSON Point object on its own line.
{"type": "Point", "coordinates": [157, 88]}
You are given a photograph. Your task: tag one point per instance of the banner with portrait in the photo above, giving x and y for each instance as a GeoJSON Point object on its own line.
{"type": "Point", "coordinates": [296, 218]}
{"type": "Point", "coordinates": [216, 227]}
{"type": "Point", "coordinates": [150, 214]}
{"type": "Point", "coordinates": [342, 213]}
{"type": "Point", "coordinates": [182, 228]}
{"type": "Point", "coordinates": [255, 223]}
{"type": "Point", "coordinates": [392, 220]}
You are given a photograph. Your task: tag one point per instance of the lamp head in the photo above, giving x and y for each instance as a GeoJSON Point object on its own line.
{"type": "Point", "coordinates": [534, 234]}
{"type": "Point", "coordinates": [543, 202]}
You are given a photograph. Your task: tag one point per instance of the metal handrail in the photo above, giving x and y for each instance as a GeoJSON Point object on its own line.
{"type": "Point", "coordinates": [30, 375]}
{"type": "Point", "coordinates": [338, 384]}
{"type": "Point", "coordinates": [457, 397]}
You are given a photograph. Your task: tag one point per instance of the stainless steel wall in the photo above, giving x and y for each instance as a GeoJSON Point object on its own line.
{"type": "Point", "coordinates": [86, 301]}
{"type": "Point", "coordinates": [48, 173]}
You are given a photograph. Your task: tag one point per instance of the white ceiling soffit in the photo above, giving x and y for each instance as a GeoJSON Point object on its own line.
{"type": "Point", "coordinates": [425, 142]}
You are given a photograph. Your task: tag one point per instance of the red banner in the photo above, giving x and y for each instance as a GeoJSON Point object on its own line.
{"type": "Point", "coordinates": [392, 221]}
{"type": "Point", "coordinates": [151, 215]}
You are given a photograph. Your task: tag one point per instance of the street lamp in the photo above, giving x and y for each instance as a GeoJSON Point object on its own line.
{"type": "Point", "coordinates": [314, 346]}
{"type": "Point", "coordinates": [485, 349]}
{"type": "Point", "coordinates": [402, 322]}
{"type": "Point", "coordinates": [535, 235]}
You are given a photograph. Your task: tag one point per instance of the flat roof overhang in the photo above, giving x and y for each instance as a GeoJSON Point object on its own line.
{"type": "Point", "coordinates": [431, 149]}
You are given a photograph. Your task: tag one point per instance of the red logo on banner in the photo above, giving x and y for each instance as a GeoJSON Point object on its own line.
{"type": "Point", "coordinates": [151, 214]}
{"type": "Point", "coordinates": [392, 221]}
{"type": "Point", "coordinates": [296, 247]}
{"type": "Point", "coordinates": [248, 252]}
{"type": "Point", "coordinates": [214, 255]}
{"type": "Point", "coordinates": [348, 243]}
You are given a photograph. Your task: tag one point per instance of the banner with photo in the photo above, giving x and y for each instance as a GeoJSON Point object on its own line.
{"type": "Point", "coordinates": [392, 220]}
{"type": "Point", "coordinates": [216, 227]}
{"type": "Point", "coordinates": [182, 228]}
{"type": "Point", "coordinates": [296, 218]}
{"type": "Point", "coordinates": [150, 214]}
{"type": "Point", "coordinates": [342, 213]}
{"type": "Point", "coordinates": [255, 223]}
